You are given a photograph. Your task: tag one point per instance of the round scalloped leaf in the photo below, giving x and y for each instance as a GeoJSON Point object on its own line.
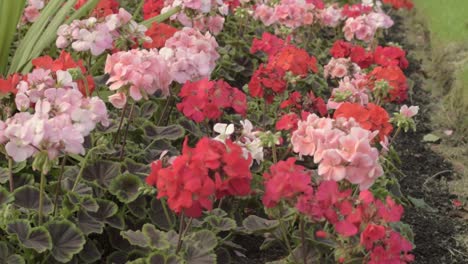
{"type": "Point", "coordinates": [106, 209]}
{"type": "Point", "coordinates": [89, 204]}
{"type": "Point", "coordinates": [102, 171]}
{"type": "Point", "coordinates": [197, 255]}
{"type": "Point", "coordinates": [136, 238]}
{"type": "Point", "coordinates": [125, 187]}
{"type": "Point", "coordinates": [5, 196]}
{"type": "Point", "coordinates": [4, 175]}
{"type": "Point", "coordinates": [158, 217]}
{"type": "Point", "coordinates": [157, 239]}
{"type": "Point", "coordinates": [254, 224]}
{"type": "Point", "coordinates": [157, 258]}
{"type": "Point", "coordinates": [20, 228]}
{"type": "Point", "coordinates": [15, 259]}
{"type": "Point", "coordinates": [67, 240]}
{"type": "Point", "coordinates": [221, 224]}
{"type": "Point", "coordinates": [90, 252]}
{"type": "Point", "coordinates": [117, 257]}
{"type": "Point", "coordinates": [138, 207]}
{"type": "Point", "coordinates": [28, 197]}
{"type": "Point", "coordinates": [204, 239]}
{"type": "Point", "coordinates": [171, 132]}
{"type": "Point", "coordinates": [88, 224]}
{"type": "Point", "coordinates": [38, 239]}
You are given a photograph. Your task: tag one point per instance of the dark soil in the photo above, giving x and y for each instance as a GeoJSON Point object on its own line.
{"type": "Point", "coordinates": [426, 174]}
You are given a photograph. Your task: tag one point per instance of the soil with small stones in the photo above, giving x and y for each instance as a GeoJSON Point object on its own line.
{"type": "Point", "coordinates": [426, 175]}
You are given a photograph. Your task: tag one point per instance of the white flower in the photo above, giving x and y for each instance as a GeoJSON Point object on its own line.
{"type": "Point", "coordinates": [224, 130]}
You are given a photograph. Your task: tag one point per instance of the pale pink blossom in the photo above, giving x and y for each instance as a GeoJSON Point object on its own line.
{"type": "Point", "coordinates": [409, 112]}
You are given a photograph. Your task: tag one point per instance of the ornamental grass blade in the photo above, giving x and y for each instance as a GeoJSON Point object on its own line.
{"type": "Point", "coordinates": [10, 13]}
{"type": "Point", "coordinates": [83, 11]}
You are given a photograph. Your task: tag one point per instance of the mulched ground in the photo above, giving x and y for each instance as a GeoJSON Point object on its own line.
{"type": "Point", "coordinates": [426, 177]}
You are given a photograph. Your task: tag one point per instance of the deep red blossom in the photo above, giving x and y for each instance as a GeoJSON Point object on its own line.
{"type": "Point", "coordinates": [269, 43]}
{"type": "Point", "coordinates": [357, 54]}
{"type": "Point", "coordinates": [295, 60]}
{"type": "Point", "coordinates": [206, 99]}
{"type": "Point", "coordinates": [355, 10]}
{"type": "Point", "coordinates": [267, 81]}
{"type": "Point", "coordinates": [399, 4]}
{"type": "Point", "coordinates": [395, 77]}
{"type": "Point", "coordinates": [319, 4]}
{"type": "Point", "coordinates": [159, 33]}
{"type": "Point", "coordinates": [390, 56]}
{"type": "Point", "coordinates": [371, 117]}
{"type": "Point", "coordinates": [285, 180]}
{"type": "Point", "coordinates": [287, 122]}
{"type": "Point", "coordinates": [152, 8]}
{"type": "Point", "coordinates": [341, 49]}
{"type": "Point", "coordinates": [102, 9]}
{"type": "Point", "coordinates": [9, 84]}
{"type": "Point", "coordinates": [201, 174]}
{"type": "Point", "coordinates": [65, 62]}
{"type": "Point", "coordinates": [371, 234]}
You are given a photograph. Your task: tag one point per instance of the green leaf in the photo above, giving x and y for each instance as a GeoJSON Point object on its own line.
{"type": "Point", "coordinates": [15, 259]}
{"type": "Point", "coordinates": [255, 224]}
{"type": "Point", "coordinates": [88, 224]}
{"type": "Point", "coordinates": [102, 171]}
{"type": "Point", "coordinates": [136, 238]}
{"type": "Point", "coordinates": [160, 18]}
{"type": "Point", "coordinates": [158, 217]}
{"type": "Point", "coordinates": [10, 14]}
{"type": "Point", "coordinates": [90, 252]}
{"type": "Point", "coordinates": [137, 168]}
{"type": "Point", "coordinates": [89, 204]}
{"type": "Point", "coordinates": [106, 209]}
{"type": "Point", "coordinates": [4, 252]}
{"type": "Point", "coordinates": [195, 255]}
{"type": "Point", "coordinates": [37, 238]}
{"type": "Point", "coordinates": [116, 221]}
{"type": "Point", "coordinates": [28, 197]}
{"type": "Point", "coordinates": [147, 110]}
{"type": "Point", "coordinates": [83, 11]}
{"type": "Point", "coordinates": [125, 187]}
{"type": "Point", "coordinates": [138, 207]}
{"type": "Point", "coordinates": [431, 138]}
{"type": "Point", "coordinates": [420, 203]}
{"type": "Point", "coordinates": [117, 257]}
{"type": "Point", "coordinates": [138, 261]}
{"type": "Point", "coordinates": [156, 258]}
{"type": "Point", "coordinates": [221, 224]}
{"type": "Point", "coordinates": [171, 132]}
{"type": "Point", "coordinates": [4, 173]}
{"type": "Point", "coordinates": [223, 256]}
{"type": "Point", "coordinates": [156, 238]}
{"type": "Point", "coordinates": [5, 196]}
{"type": "Point", "coordinates": [67, 240]}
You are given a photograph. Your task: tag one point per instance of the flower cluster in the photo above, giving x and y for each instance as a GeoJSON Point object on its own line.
{"type": "Point", "coordinates": [159, 34]}
{"type": "Point", "coordinates": [341, 148]}
{"type": "Point", "coordinates": [340, 68]}
{"type": "Point", "coordinates": [60, 119]}
{"type": "Point", "coordinates": [389, 84]}
{"type": "Point", "coordinates": [399, 4]}
{"type": "Point", "coordinates": [98, 35]}
{"type": "Point", "coordinates": [191, 55]}
{"type": "Point", "coordinates": [365, 26]}
{"type": "Point", "coordinates": [206, 99]}
{"type": "Point", "coordinates": [390, 56]}
{"type": "Point", "coordinates": [152, 8]}
{"type": "Point", "coordinates": [8, 85]}
{"type": "Point", "coordinates": [289, 13]}
{"type": "Point", "coordinates": [31, 12]}
{"type": "Point", "coordinates": [285, 180]}
{"type": "Point", "coordinates": [65, 62]}
{"type": "Point", "coordinates": [363, 216]}
{"type": "Point", "coordinates": [140, 72]}
{"type": "Point", "coordinates": [371, 117]}
{"type": "Point", "coordinates": [211, 170]}
{"type": "Point", "coordinates": [203, 15]}
{"type": "Point", "coordinates": [351, 89]}
{"type": "Point", "coordinates": [102, 9]}
{"type": "Point", "coordinates": [357, 54]}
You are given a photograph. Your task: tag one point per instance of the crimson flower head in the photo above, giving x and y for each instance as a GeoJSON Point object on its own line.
{"type": "Point", "coordinates": [295, 60]}
{"type": "Point", "coordinates": [102, 9]}
{"type": "Point", "coordinates": [269, 43]}
{"type": "Point", "coordinates": [399, 4]}
{"type": "Point", "coordinates": [355, 10]}
{"type": "Point", "coordinates": [152, 8]}
{"type": "Point", "coordinates": [395, 77]}
{"type": "Point", "coordinates": [206, 99]}
{"type": "Point", "coordinates": [285, 180]}
{"type": "Point", "coordinates": [159, 33]}
{"type": "Point", "coordinates": [267, 81]}
{"type": "Point", "coordinates": [390, 56]}
{"type": "Point", "coordinates": [201, 174]}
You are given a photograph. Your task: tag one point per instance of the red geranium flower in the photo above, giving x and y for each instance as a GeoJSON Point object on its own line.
{"type": "Point", "coordinates": [398, 4]}
{"type": "Point", "coordinates": [152, 8]}
{"type": "Point", "coordinates": [266, 82]}
{"type": "Point", "coordinates": [159, 33]}
{"type": "Point", "coordinates": [9, 84]}
{"type": "Point", "coordinates": [391, 56]}
{"type": "Point", "coordinates": [295, 60]}
{"type": "Point", "coordinates": [372, 117]}
{"type": "Point", "coordinates": [102, 9]}
{"type": "Point", "coordinates": [395, 77]}
{"type": "Point", "coordinates": [269, 43]}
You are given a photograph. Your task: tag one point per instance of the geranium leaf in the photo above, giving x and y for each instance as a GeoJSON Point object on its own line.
{"type": "Point", "coordinates": [116, 221]}
{"type": "Point", "coordinates": [204, 240]}
{"type": "Point", "coordinates": [148, 109]}
{"type": "Point", "coordinates": [138, 207]}
{"type": "Point", "coordinates": [88, 224]}
{"type": "Point", "coordinates": [28, 197]}
{"type": "Point", "coordinates": [90, 252]}
{"type": "Point", "coordinates": [125, 187]}
{"type": "Point", "coordinates": [221, 224]}
{"type": "Point", "coordinates": [196, 255]}
{"type": "Point", "coordinates": [137, 168]}
{"type": "Point", "coordinates": [5, 196]}
{"type": "Point", "coordinates": [38, 239]}
{"type": "Point", "coordinates": [158, 217]}
{"type": "Point", "coordinates": [89, 204]}
{"type": "Point", "coordinates": [4, 252]}
{"type": "Point", "coordinates": [67, 240]}
{"type": "Point", "coordinates": [254, 224]}
{"type": "Point", "coordinates": [156, 258]}
{"type": "Point", "coordinates": [156, 238]}
{"type": "Point", "coordinates": [106, 209]}
{"type": "Point", "coordinates": [102, 171]}
{"type": "Point", "coordinates": [171, 132]}
{"type": "Point", "coordinates": [136, 238]}
{"type": "Point", "coordinates": [15, 259]}
{"type": "Point", "coordinates": [3, 175]}
{"type": "Point", "coordinates": [117, 257]}
{"type": "Point", "coordinates": [223, 256]}
{"type": "Point", "coordinates": [20, 228]}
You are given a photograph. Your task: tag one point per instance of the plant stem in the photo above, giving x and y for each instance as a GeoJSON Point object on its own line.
{"type": "Point", "coordinates": [181, 227]}
{"type": "Point", "coordinates": [286, 240]}
{"type": "Point", "coordinates": [10, 174]}
{"type": "Point", "coordinates": [302, 230]}
{"type": "Point", "coordinates": [41, 196]}
{"type": "Point", "coordinates": [394, 136]}
{"type": "Point", "coordinates": [138, 9]}
{"type": "Point", "coordinates": [59, 183]}
{"type": "Point", "coordinates": [166, 213]}
{"type": "Point", "coordinates": [129, 120]}
{"type": "Point", "coordinates": [80, 173]}
{"type": "Point", "coordinates": [181, 235]}
{"type": "Point", "coordinates": [117, 134]}
{"type": "Point", "coordinates": [273, 153]}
